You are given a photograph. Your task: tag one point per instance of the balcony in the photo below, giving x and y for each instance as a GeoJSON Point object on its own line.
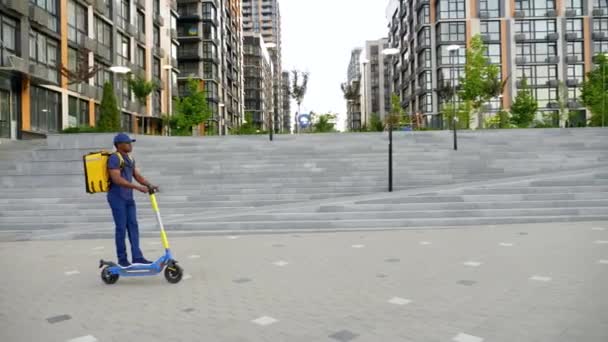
{"type": "Point", "coordinates": [131, 29]}
{"type": "Point", "coordinates": [551, 14]}
{"type": "Point", "coordinates": [16, 63]}
{"type": "Point", "coordinates": [554, 36]}
{"type": "Point", "coordinates": [573, 104]}
{"type": "Point", "coordinates": [173, 6]}
{"type": "Point", "coordinates": [484, 15]}
{"type": "Point", "coordinates": [422, 47]}
{"type": "Point", "coordinates": [100, 6]}
{"type": "Point", "coordinates": [39, 16]}
{"type": "Point", "coordinates": [521, 60]}
{"type": "Point", "coordinates": [92, 92]}
{"type": "Point", "coordinates": [520, 37]}
{"type": "Point", "coordinates": [158, 52]}
{"type": "Point", "coordinates": [552, 105]}
{"type": "Point", "coordinates": [141, 37]}
{"type": "Point", "coordinates": [173, 34]}
{"type": "Point", "coordinates": [40, 73]}
{"type": "Point", "coordinates": [599, 12]}
{"type": "Point", "coordinates": [572, 82]}
{"type": "Point", "coordinates": [570, 36]}
{"type": "Point", "coordinates": [519, 14]}
{"type": "Point", "coordinates": [552, 59]}
{"type": "Point", "coordinates": [599, 36]}
{"type": "Point", "coordinates": [190, 54]}
{"type": "Point", "coordinates": [422, 3]}
{"type": "Point", "coordinates": [141, 4]}
{"type": "Point", "coordinates": [571, 13]}
{"type": "Point", "coordinates": [158, 19]}
{"type": "Point", "coordinates": [552, 83]}
{"type": "Point", "coordinates": [19, 6]}
{"type": "Point", "coordinates": [573, 59]}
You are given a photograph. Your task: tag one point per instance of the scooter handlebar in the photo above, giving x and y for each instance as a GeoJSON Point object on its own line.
{"type": "Point", "coordinates": [152, 189]}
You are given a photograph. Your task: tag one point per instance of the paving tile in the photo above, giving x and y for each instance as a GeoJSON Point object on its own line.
{"type": "Point", "coordinates": [59, 318]}
{"type": "Point", "coordinates": [466, 338]}
{"type": "Point", "coordinates": [344, 336]}
{"type": "Point", "coordinates": [265, 320]}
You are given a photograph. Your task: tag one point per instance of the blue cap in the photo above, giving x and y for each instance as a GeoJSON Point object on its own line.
{"type": "Point", "coordinates": [121, 138]}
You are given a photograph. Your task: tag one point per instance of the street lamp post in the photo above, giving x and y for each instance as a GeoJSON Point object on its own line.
{"type": "Point", "coordinates": [390, 52]}
{"type": "Point", "coordinates": [120, 70]}
{"type": "Point", "coordinates": [220, 121]}
{"type": "Point", "coordinates": [169, 90]}
{"type": "Point", "coordinates": [452, 50]}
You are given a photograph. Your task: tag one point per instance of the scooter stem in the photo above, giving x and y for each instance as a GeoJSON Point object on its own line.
{"type": "Point", "coordinates": [163, 235]}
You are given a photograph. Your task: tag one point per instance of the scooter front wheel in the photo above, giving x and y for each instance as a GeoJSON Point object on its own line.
{"type": "Point", "coordinates": [108, 277]}
{"type": "Point", "coordinates": [173, 273]}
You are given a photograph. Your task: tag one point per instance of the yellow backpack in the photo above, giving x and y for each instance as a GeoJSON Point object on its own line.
{"type": "Point", "coordinates": [96, 173]}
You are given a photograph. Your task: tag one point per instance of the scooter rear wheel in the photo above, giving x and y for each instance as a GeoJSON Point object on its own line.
{"type": "Point", "coordinates": [108, 277]}
{"type": "Point", "coordinates": [173, 273]}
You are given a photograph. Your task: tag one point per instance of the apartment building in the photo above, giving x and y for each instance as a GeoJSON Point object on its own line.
{"type": "Point", "coordinates": [211, 50]}
{"type": "Point", "coordinates": [549, 42]}
{"type": "Point", "coordinates": [259, 81]}
{"type": "Point", "coordinates": [50, 50]}
{"type": "Point", "coordinates": [264, 17]}
{"type": "Point", "coordinates": [286, 101]}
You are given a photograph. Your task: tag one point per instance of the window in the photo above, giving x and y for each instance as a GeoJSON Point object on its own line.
{"type": "Point", "coordinates": [451, 9]}
{"type": "Point", "coordinates": [123, 93]}
{"type": "Point", "coordinates": [490, 7]}
{"type": "Point", "coordinates": [600, 47]}
{"type": "Point", "coordinates": [535, 8]}
{"type": "Point", "coordinates": [575, 5]}
{"type": "Point", "coordinates": [537, 75]}
{"type": "Point", "coordinates": [77, 22]}
{"type": "Point", "coordinates": [156, 35]}
{"type": "Point", "coordinates": [600, 4]}
{"type": "Point", "coordinates": [156, 67]}
{"type": "Point", "coordinates": [103, 75]}
{"type": "Point", "coordinates": [103, 33]}
{"type": "Point", "coordinates": [443, 56]}
{"type": "Point", "coordinates": [576, 72]}
{"type": "Point", "coordinates": [491, 29]}
{"type": "Point", "coordinates": [575, 27]}
{"type": "Point", "coordinates": [44, 51]}
{"type": "Point", "coordinates": [49, 6]}
{"type": "Point", "coordinates": [8, 38]}
{"type": "Point", "coordinates": [424, 59]}
{"type": "Point", "coordinates": [211, 90]}
{"type": "Point", "coordinates": [451, 32]}
{"type": "Point", "coordinates": [536, 52]}
{"type": "Point", "coordinates": [210, 71]}
{"type": "Point", "coordinates": [123, 49]}
{"type": "Point", "coordinates": [209, 11]}
{"type": "Point", "coordinates": [45, 109]}
{"type": "Point", "coordinates": [425, 103]}
{"type": "Point", "coordinates": [126, 122]}
{"type": "Point", "coordinates": [424, 15]}
{"type": "Point", "coordinates": [78, 112]}
{"type": "Point", "coordinates": [123, 14]}
{"type": "Point", "coordinates": [209, 32]}
{"type": "Point", "coordinates": [493, 53]}
{"type": "Point", "coordinates": [600, 24]}
{"type": "Point", "coordinates": [141, 22]}
{"type": "Point", "coordinates": [140, 57]}
{"type": "Point", "coordinates": [575, 49]}
{"type": "Point", "coordinates": [425, 80]}
{"type": "Point", "coordinates": [424, 37]}
{"type": "Point", "coordinates": [535, 29]}
{"type": "Point", "coordinates": [544, 95]}
{"type": "Point", "coordinates": [156, 7]}
{"type": "Point", "coordinates": [156, 108]}
{"type": "Point", "coordinates": [209, 50]}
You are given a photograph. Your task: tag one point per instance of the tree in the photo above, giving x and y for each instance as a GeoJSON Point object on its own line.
{"type": "Point", "coordinates": [481, 78]}
{"type": "Point", "coordinates": [524, 107]}
{"type": "Point", "coordinates": [190, 110]}
{"type": "Point", "coordinates": [375, 123]}
{"type": "Point", "coordinates": [462, 112]}
{"type": "Point", "coordinates": [298, 88]}
{"type": "Point", "coordinates": [109, 117]}
{"type": "Point", "coordinates": [562, 100]}
{"type": "Point", "coordinates": [594, 94]}
{"type": "Point", "coordinates": [248, 127]}
{"type": "Point", "coordinates": [351, 95]}
{"type": "Point", "coordinates": [323, 124]}
{"type": "Point", "coordinates": [80, 71]}
{"type": "Point", "coordinates": [396, 117]}
{"type": "Point", "coordinates": [141, 88]}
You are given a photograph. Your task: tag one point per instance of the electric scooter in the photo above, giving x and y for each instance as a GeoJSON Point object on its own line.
{"type": "Point", "coordinates": [173, 272]}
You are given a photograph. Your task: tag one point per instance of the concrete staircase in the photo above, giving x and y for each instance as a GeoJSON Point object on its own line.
{"type": "Point", "coordinates": [315, 182]}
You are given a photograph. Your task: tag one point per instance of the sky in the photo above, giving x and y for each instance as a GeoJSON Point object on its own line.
{"type": "Point", "coordinates": [318, 36]}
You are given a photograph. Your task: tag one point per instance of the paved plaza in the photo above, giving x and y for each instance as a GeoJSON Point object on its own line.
{"type": "Point", "coordinates": [543, 282]}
